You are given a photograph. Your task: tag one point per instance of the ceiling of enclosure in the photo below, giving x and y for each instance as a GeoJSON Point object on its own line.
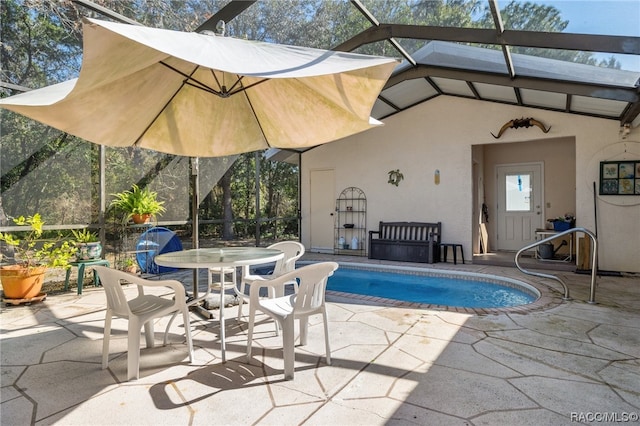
{"type": "Point", "coordinates": [456, 61]}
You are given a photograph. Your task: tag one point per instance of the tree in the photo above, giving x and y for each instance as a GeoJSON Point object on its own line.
{"type": "Point", "coordinates": [530, 16]}
{"type": "Point", "coordinates": [41, 45]}
{"type": "Point", "coordinates": [36, 49]}
{"type": "Point", "coordinates": [227, 226]}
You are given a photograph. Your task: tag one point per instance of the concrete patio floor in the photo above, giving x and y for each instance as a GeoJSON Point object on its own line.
{"type": "Point", "coordinates": [567, 362]}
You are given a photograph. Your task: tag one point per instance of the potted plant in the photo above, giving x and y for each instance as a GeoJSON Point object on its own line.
{"type": "Point", "coordinates": [129, 265]}
{"type": "Point", "coordinates": [32, 257]}
{"type": "Point", "coordinates": [88, 244]}
{"type": "Point", "coordinates": [138, 204]}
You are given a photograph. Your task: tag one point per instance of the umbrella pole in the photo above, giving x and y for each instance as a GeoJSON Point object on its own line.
{"type": "Point", "coordinates": [103, 195]}
{"type": "Point", "coordinates": [195, 242]}
{"type": "Point", "coordinates": [195, 231]}
{"type": "Point", "coordinates": [256, 157]}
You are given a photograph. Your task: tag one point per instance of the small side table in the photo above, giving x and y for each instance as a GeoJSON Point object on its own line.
{"type": "Point", "coordinates": [81, 264]}
{"type": "Point", "coordinates": [445, 246]}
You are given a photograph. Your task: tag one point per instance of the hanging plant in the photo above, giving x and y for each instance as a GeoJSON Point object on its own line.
{"type": "Point", "coordinates": [395, 177]}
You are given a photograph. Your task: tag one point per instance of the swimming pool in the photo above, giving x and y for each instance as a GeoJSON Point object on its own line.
{"type": "Point", "coordinates": [447, 288]}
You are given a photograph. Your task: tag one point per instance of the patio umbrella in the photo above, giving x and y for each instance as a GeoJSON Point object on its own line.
{"type": "Point", "coordinates": [203, 95]}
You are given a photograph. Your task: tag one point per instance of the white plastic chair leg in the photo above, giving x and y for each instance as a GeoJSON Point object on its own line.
{"type": "Point", "coordinates": [223, 344]}
{"type": "Point", "coordinates": [149, 334]}
{"type": "Point", "coordinates": [105, 340]}
{"type": "Point", "coordinates": [304, 328]}
{"type": "Point", "coordinates": [187, 333]}
{"type": "Point", "coordinates": [252, 317]}
{"type": "Point", "coordinates": [240, 295]}
{"type": "Point", "coordinates": [326, 338]}
{"type": "Point", "coordinates": [133, 350]}
{"type": "Point", "coordinates": [166, 330]}
{"type": "Point", "coordinates": [288, 340]}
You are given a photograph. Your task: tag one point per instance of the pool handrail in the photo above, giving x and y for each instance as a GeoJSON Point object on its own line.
{"type": "Point", "coordinates": [594, 261]}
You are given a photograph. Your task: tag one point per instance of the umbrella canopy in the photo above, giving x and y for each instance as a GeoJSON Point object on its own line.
{"type": "Point", "coordinates": [205, 95]}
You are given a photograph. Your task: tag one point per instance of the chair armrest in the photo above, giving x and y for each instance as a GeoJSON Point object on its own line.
{"type": "Point", "coordinates": [373, 232]}
{"type": "Point", "coordinates": [275, 283]}
{"type": "Point", "coordinates": [177, 286]}
{"type": "Point", "coordinates": [290, 264]}
{"type": "Point", "coordinates": [250, 279]}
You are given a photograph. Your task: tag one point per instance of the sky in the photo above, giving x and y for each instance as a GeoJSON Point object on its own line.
{"type": "Point", "coordinates": [604, 17]}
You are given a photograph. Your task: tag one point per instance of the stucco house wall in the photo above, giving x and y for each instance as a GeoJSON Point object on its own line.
{"type": "Point", "coordinates": [440, 135]}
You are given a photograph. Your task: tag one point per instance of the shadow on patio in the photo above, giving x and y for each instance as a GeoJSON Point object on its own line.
{"type": "Point", "coordinates": [390, 365]}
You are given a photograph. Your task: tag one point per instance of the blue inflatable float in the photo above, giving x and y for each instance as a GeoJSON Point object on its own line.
{"type": "Point", "coordinates": [152, 242]}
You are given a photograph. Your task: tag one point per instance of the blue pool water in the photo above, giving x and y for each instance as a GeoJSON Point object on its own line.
{"type": "Point", "coordinates": [460, 292]}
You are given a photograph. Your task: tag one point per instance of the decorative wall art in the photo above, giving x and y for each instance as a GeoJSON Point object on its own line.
{"type": "Point", "coordinates": [620, 177]}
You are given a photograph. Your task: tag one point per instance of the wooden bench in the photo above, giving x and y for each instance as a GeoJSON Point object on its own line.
{"type": "Point", "coordinates": [406, 242]}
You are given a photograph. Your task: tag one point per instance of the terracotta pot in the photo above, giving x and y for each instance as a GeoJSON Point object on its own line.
{"type": "Point", "coordinates": [141, 218]}
{"type": "Point", "coordinates": [19, 282]}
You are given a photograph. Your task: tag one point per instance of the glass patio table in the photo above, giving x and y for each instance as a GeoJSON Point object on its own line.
{"type": "Point", "coordinates": [221, 259]}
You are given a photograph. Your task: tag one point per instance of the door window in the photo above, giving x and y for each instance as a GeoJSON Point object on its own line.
{"type": "Point", "coordinates": [518, 192]}
{"type": "Point", "coordinates": [520, 200]}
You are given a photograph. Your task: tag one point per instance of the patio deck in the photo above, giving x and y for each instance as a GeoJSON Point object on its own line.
{"type": "Point", "coordinates": [567, 363]}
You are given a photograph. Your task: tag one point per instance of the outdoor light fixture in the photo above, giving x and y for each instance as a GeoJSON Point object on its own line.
{"type": "Point", "coordinates": [625, 130]}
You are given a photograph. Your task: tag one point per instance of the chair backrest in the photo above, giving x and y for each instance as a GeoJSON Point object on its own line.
{"type": "Point", "coordinates": [312, 283]}
{"type": "Point", "coordinates": [292, 250]}
{"type": "Point", "coordinates": [111, 280]}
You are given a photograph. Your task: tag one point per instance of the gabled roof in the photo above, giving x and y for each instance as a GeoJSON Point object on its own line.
{"type": "Point", "coordinates": [446, 68]}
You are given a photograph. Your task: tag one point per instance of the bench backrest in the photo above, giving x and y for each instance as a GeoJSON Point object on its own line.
{"type": "Point", "coordinates": [410, 231]}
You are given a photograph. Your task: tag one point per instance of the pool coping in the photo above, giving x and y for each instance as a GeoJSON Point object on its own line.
{"type": "Point", "coordinates": [548, 297]}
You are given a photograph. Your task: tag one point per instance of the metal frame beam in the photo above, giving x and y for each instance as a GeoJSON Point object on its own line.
{"type": "Point", "coordinates": [559, 86]}
{"type": "Point", "coordinates": [365, 12]}
{"type": "Point", "coordinates": [567, 41]}
{"type": "Point", "coordinates": [106, 12]}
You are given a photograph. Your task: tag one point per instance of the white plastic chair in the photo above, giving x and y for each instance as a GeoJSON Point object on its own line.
{"type": "Point", "coordinates": [309, 300]}
{"type": "Point", "coordinates": [140, 311]}
{"type": "Point", "coordinates": [292, 250]}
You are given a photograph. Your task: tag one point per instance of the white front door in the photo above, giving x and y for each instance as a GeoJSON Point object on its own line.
{"type": "Point", "coordinates": [323, 206]}
{"type": "Point", "coordinates": [520, 204]}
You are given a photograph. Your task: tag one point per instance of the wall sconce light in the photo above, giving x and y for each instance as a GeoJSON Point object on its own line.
{"type": "Point", "coordinates": [436, 177]}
